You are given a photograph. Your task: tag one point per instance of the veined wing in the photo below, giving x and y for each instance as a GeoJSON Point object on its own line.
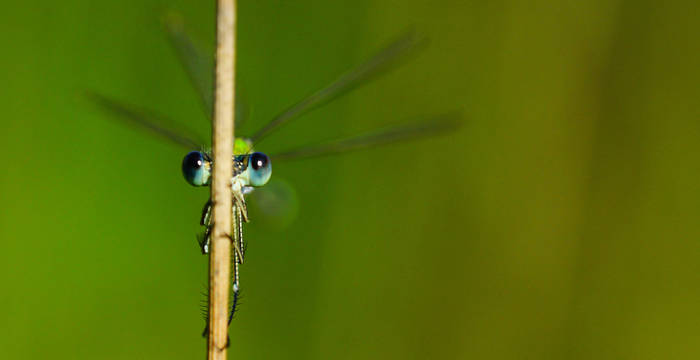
{"type": "Point", "coordinates": [199, 66]}
{"type": "Point", "coordinates": [422, 129]}
{"type": "Point", "coordinates": [377, 64]}
{"type": "Point", "coordinates": [152, 122]}
{"type": "Point", "coordinates": [275, 205]}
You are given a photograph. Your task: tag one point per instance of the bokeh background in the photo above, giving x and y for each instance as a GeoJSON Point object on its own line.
{"type": "Point", "coordinates": [560, 222]}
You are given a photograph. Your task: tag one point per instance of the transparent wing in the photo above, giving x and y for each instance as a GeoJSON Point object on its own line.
{"type": "Point", "coordinates": [199, 66]}
{"type": "Point", "coordinates": [154, 123]}
{"type": "Point", "coordinates": [422, 129]}
{"type": "Point", "coordinates": [275, 205]}
{"type": "Point", "coordinates": [378, 64]}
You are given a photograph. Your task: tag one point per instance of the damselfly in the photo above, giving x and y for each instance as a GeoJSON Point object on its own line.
{"type": "Point", "coordinates": [252, 169]}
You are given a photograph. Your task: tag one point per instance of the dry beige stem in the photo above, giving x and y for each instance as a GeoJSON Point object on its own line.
{"type": "Point", "coordinates": [222, 143]}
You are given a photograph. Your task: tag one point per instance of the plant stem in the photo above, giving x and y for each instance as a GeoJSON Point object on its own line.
{"type": "Point", "coordinates": [222, 143]}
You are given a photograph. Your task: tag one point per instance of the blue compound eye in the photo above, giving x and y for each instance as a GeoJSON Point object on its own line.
{"type": "Point", "coordinates": [196, 168]}
{"type": "Point", "coordinates": [260, 169]}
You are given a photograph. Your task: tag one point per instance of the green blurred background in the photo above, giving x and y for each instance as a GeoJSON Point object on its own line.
{"type": "Point", "coordinates": [560, 222]}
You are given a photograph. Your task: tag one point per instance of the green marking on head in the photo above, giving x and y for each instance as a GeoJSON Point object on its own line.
{"type": "Point", "coordinates": [242, 146]}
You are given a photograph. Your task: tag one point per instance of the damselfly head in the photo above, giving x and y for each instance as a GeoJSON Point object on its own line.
{"type": "Point", "coordinates": [196, 168]}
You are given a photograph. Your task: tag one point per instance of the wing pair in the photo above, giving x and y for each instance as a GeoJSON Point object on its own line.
{"type": "Point", "coordinates": [199, 68]}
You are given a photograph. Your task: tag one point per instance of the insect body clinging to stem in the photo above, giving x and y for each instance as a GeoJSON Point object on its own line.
{"type": "Point", "coordinates": [252, 169]}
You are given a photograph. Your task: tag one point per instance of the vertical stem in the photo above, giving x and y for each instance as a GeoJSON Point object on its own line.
{"type": "Point", "coordinates": [222, 142]}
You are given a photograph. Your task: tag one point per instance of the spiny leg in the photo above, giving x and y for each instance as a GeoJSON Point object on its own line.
{"type": "Point", "coordinates": [205, 220]}
{"type": "Point", "coordinates": [206, 212]}
{"type": "Point", "coordinates": [239, 216]}
{"type": "Point", "coordinates": [240, 201]}
{"type": "Point", "coordinates": [239, 212]}
{"type": "Point", "coordinates": [236, 243]}
{"type": "Point", "coordinates": [203, 240]}
{"type": "Point", "coordinates": [236, 260]}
